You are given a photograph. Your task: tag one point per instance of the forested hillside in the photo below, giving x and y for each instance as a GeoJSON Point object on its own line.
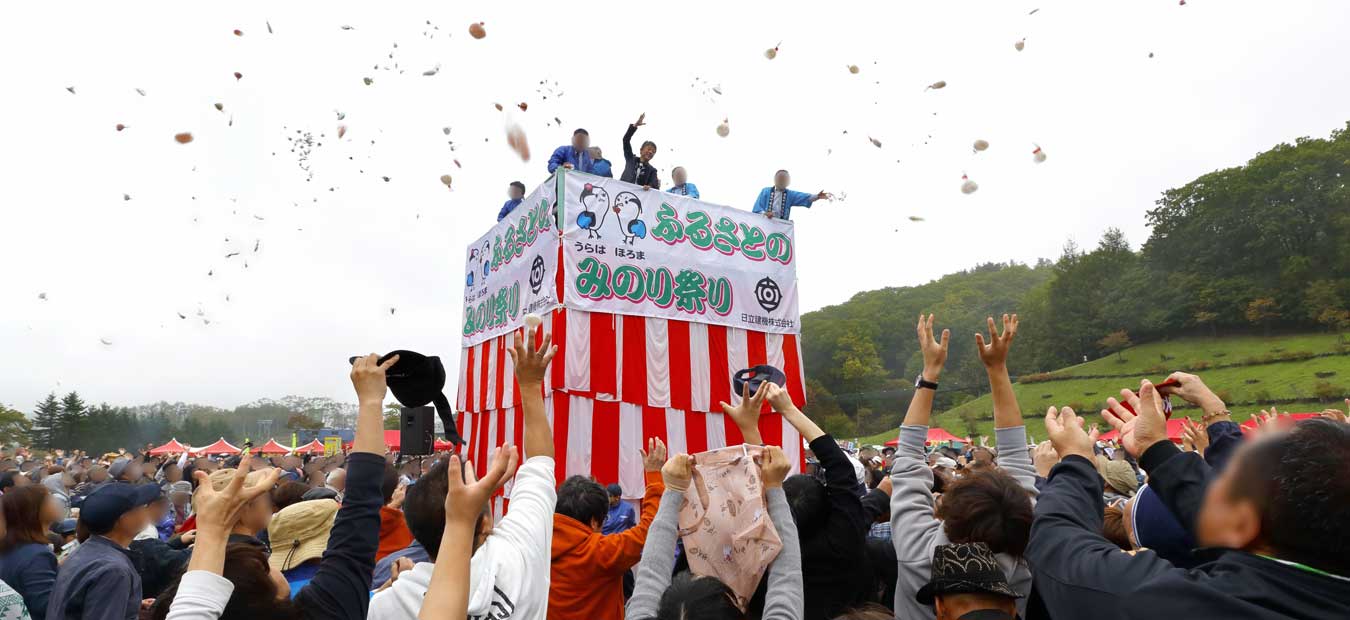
{"type": "Point", "coordinates": [1260, 248]}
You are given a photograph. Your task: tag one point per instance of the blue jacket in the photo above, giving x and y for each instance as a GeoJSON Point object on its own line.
{"type": "Point", "coordinates": [506, 210]}
{"type": "Point", "coordinates": [688, 189]}
{"type": "Point", "coordinates": [793, 199]}
{"type": "Point", "coordinates": [621, 517]}
{"type": "Point", "coordinates": [565, 154]}
{"type": "Point", "coordinates": [30, 569]}
{"type": "Point", "coordinates": [603, 169]}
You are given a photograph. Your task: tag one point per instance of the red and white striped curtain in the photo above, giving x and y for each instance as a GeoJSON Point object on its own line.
{"type": "Point", "coordinates": [617, 380]}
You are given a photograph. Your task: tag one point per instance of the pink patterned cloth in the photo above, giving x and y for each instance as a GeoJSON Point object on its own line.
{"type": "Point", "coordinates": [725, 520]}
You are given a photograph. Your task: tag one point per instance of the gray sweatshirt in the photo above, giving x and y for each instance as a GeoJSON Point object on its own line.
{"type": "Point", "coordinates": [783, 601]}
{"type": "Point", "coordinates": [915, 532]}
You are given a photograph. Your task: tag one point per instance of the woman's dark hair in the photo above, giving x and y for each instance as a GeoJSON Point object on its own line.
{"type": "Point", "coordinates": [582, 499]}
{"type": "Point", "coordinates": [1297, 480]}
{"type": "Point", "coordinates": [7, 480]}
{"type": "Point", "coordinates": [808, 500]}
{"type": "Point", "coordinates": [288, 493]}
{"type": "Point", "coordinates": [705, 598]}
{"type": "Point", "coordinates": [988, 506]}
{"type": "Point", "coordinates": [255, 594]}
{"type": "Point", "coordinates": [23, 515]}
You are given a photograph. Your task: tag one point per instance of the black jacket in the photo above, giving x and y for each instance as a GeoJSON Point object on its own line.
{"type": "Point", "coordinates": [835, 572]}
{"type": "Point", "coordinates": [634, 171]}
{"type": "Point", "coordinates": [341, 588]}
{"type": "Point", "coordinates": [1077, 569]}
{"type": "Point", "coordinates": [159, 563]}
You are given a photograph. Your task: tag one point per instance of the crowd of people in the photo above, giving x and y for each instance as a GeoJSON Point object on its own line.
{"type": "Point", "coordinates": [775, 201]}
{"type": "Point", "coordinates": [1230, 524]}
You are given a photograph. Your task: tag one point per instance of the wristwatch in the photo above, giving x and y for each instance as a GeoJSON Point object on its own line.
{"type": "Point", "coordinates": [920, 382]}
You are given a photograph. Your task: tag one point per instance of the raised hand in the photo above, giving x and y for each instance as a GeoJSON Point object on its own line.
{"type": "Point", "coordinates": [1335, 415]}
{"type": "Point", "coordinates": [654, 457]}
{"type": "Point", "coordinates": [1143, 428]}
{"type": "Point", "coordinates": [466, 495]}
{"type": "Point", "coordinates": [368, 378]}
{"type": "Point", "coordinates": [642, 120]}
{"type": "Point", "coordinates": [218, 511]}
{"type": "Point", "coordinates": [1066, 433]}
{"type": "Point", "coordinates": [1044, 458]}
{"type": "Point", "coordinates": [775, 466]}
{"type": "Point", "coordinates": [934, 350]}
{"type": "Point", "coordinates": [530, 361]}
{"type": "Point", "coordinates": [746, 416]}
{"type": "Point", "coordinates": [824, 195]}
{"type": "Point", "coordinates": [677, 472]}
{"type": "Point", "coordinates": [1194, 433]}
{"type": "Point", "coordinates": [995, 353]}
{"type": "Point", "coordinates": [1194, 391]}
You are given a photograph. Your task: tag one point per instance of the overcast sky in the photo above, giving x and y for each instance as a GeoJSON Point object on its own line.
{"type": "Point", "coordinates": [1227, 79]}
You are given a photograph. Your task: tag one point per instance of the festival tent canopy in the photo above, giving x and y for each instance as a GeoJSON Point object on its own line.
{"type": "Point", "coordinates": [1173, 431]}
{"type": "Point", "coordinates": [1285, 419]}
{"type": "Point", "coordinates": [220, 447]}
{"type": "Point", "coordinates": [173, 447]}
{"type": "Point", "coordinates": [272, 447]}
{"type": "Point", "coordinates": [936, 434]}
{"type": "Point", "coordinates": [313, 447]}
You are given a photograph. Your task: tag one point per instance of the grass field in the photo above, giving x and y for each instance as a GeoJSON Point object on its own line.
{"type": "Point", "coordinates": [1245, 388]}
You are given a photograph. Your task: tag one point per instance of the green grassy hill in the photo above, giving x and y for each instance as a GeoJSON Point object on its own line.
{"type": "Point", "coordinates": [1304, 372]}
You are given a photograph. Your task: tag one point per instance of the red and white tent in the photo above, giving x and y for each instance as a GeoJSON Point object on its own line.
{"type": "Point", "coordinates": [936, 434]}
{"type": "Point", "coordinates": [219, 447]}
{"type": "Point", "coordinates": [313, 447]}
{"type": "Point", "coordinates": [173, 447]}
{"type": "Point", "coordinates": [657, 360]}
{"type": "Point", "coordinates": [272, 447]}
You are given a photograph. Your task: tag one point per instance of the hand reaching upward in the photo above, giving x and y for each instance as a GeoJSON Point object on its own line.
{"type": "Point", "coordinates": [995, 353]}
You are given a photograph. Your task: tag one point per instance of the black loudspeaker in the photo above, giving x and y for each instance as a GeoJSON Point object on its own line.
{"type": "Point", "coordinates": [416, 427]}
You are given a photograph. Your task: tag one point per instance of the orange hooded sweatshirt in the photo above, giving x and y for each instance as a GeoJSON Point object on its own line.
{"type": "Point", "coordinates": [394, 532]}
{"type": "Point", "coordinates": [588, 567]}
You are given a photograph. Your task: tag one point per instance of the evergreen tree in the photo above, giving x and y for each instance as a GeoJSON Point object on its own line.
{"type": "Point", "coordinates": [45, 420]}
{"type": "Point", "coordinates": [70, 423]}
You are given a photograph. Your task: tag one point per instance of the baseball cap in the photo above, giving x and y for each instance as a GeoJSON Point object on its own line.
{"type": "Point", "coordinates": [64, 527]}
{"type": "Point", "coordinates": [118, 466]}
{"type": "Point", "coordinates": [102, 508]}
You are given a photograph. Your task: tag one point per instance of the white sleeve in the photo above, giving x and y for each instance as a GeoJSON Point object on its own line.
{"type": "Point", "coordinates": [202, 595]}
{"type": "Point", "coordinates": [528, 525]}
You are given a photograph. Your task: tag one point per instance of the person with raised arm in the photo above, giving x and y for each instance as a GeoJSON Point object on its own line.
{"type": "Point", "coordinates": [638, 168]}
{"type": "Point", "coordinates": [776, 202]}
{"type": "Point", "coordinates": [988, 505]}
{"type": "Point", "coordinates": [509, 572]}
{"type": "Point", "coordinates": [831, 524]}
{"type": "Point", "coordinates": [448, 593]}
{"type": "Point", "coordinates": [657, 595]}
{"type": "Point", "coordinates": [233, 587]}
{"type": "Point", "coordinates": [1271, 524]}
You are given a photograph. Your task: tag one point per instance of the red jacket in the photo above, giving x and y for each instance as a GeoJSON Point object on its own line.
{"type": "Point", "coordinates": [588, 567]}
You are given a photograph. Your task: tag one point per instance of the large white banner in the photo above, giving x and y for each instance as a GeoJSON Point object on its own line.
{"type": "Point", "coordinates": [627, 250]}
{"type": "Point", "coordinates": [513, 269]}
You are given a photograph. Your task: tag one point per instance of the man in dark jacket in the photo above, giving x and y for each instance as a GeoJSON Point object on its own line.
{"type": "Point", "coordinates": [99, 581]}
{"type": "Point", "coordinates": [1273, 523]}
{"type": "Point", "coordinates": [638, 169]}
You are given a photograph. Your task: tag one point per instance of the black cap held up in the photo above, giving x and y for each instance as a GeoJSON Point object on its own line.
{"type": "Point", "coordinates": [416, 380]}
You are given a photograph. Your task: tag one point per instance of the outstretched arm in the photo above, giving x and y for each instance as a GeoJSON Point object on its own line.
{"type": "Point", "coordinates": [530, 364]}
{"type": "Point", "coordinates": [746, 416]}
{"type": "Point", "coordinates": [1010, 433]}
{"type": "Point", "coordinates": [934, 358]}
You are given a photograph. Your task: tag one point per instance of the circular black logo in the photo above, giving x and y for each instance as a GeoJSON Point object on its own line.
{"type": "Point", "coordinates": [768, 295]}
{"type": "Point", "coordinates": [537, 274]}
